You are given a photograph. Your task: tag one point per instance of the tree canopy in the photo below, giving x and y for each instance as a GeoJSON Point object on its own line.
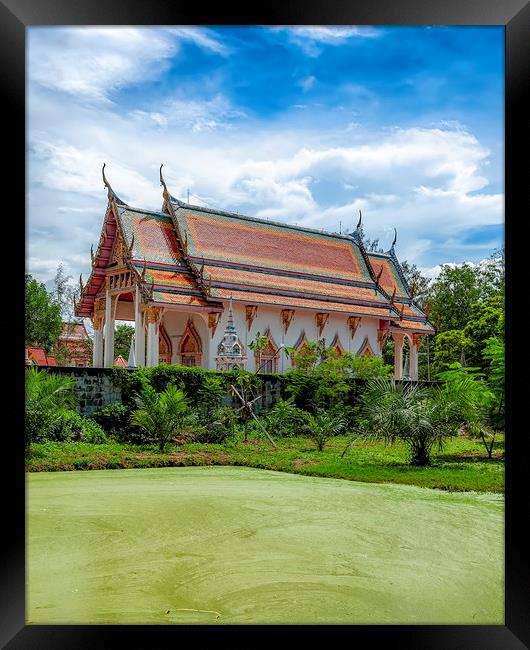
{"type": "Point", "coordinates": [43, 322]}
{"type": "Point", "coordinates": [122, 340]}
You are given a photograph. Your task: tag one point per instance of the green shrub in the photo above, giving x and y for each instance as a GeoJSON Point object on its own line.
{"type": "Point", "coordinates": [221, 426]}
{"type": "Point", "coordinates": [162, 415]}
{"type": "Point", "coordinates": [324, 425]}
{"type": "Point", "coordinates": [115, 420]}
{"type": "Point", "coordinates": [93, 432]}
{"type": "Point", "coordinates": [47, 395]}
{"type": "Point", "coordinates": [70, 426]}
{"type": "Point", "coordinates": [285, 419]}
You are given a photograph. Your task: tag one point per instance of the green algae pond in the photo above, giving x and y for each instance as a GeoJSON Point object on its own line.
{"type": "Point", "coordinates": [214, 545]}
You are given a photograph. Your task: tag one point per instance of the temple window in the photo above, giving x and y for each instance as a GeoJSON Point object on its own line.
{"type": "Point", "coordinates": [190, 349]}
{"type": "Point", "coordinates": [268, 359]}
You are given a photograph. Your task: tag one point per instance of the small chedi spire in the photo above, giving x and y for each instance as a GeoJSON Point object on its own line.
{"type": "Point", "coordinates": [229, 353]}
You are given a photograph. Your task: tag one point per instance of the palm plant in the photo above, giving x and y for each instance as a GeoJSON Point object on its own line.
{"type": "Point", "coordinates": [421, 417]}
{"type": "Point", "coordinates": [322, 426]}
{"type": "Point", "coordinates": [473, 402]}
{"type": "Point", "coordinates": [399, 411]}
{"type": "Point", "coordinates": [47, 395]}
{"type": "Point", "coordinates": [161, 415]}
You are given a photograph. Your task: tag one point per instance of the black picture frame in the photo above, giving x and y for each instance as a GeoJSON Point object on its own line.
{"type": "Point", "coordinates": [15, 17]}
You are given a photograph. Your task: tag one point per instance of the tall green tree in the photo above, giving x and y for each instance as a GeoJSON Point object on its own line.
{"type": "Point", "coordinates": [122, 340]}
{"type": "Point", "coordinates": [421, 283]}
{"type": "Point", "coordinates": [43, 322]}
{"type": "Point", "coordinates": [491, 275]}
{"type": "Point", "coordinates": [453, 292]}
{"type": "Point", "coordinates": [485, 320]}
{"type": "Point", "coordinates": [64, 294]}
{"type": "Point", "coordinates": [447, 349]}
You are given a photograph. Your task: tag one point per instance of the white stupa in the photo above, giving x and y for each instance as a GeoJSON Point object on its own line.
{"type": "Point", "coordinates": [229, 353]}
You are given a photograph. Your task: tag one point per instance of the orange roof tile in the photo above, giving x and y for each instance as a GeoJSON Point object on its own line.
{"type": "Point", "coordinates": [289, 283]}
{"type": "Point", "coordinates": [258, 243]}
{"type": "Point", "coordinates": [390, 275]}
{"type": "Point", "coordinates": [415, 325]}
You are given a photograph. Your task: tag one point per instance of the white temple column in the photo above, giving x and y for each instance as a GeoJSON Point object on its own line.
{"type": "Point", "coordinates": [153, 346]}
{"type": "Point", "coordinates": [109, 332]}
{"type": "Point", "coordinates": [97, 350]}
{"type": "Point", "coordinates": [139, 334]}
{"type": "Point", "coordinates": [414, 348]}
{"type": "Point", "coordinates": [398, 355]}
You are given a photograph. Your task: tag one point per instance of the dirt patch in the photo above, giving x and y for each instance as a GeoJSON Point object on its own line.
{"type": "Point", "coordinates": [299, 462]}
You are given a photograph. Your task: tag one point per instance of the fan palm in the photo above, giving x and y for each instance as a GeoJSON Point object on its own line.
{"type": "Point", "coordinates": [421, 417]}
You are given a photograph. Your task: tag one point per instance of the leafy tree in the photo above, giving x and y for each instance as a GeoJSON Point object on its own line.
{"type": "Point", "coordinates": [421, 283]}
{"type": "Point", "coordinates": [491, 275]}
{"type": "Point", "coordinates": [161, 415]}
{"type": "Point", "coordinates": [210, 395]}
{"type": "Point", "coordinates": [371, 245]}
{"type": "Point", "coordinates": [122, 340]}
{"type": "Point", "coordinates": [453, 292]}
{"type": "Point", "coordinates": [447, 349]}
{"type": "Point", "coordinates": [65, 294]}
{"type": "Point", "coordinates": [493, 353]}
{"type": "Point", "coordinates": [474, 400]}
{"type": "Point", "coordinates": [43, 321]}
{"type": "Point", "coordinates": [484, 320]}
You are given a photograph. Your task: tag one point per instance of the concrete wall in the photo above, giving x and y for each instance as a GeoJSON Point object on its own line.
{"type": "Point", "coordinates": [94, 388]}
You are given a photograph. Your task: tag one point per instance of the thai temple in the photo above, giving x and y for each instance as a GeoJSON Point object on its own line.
{"type": "Point", "coordinates": [201, 283]}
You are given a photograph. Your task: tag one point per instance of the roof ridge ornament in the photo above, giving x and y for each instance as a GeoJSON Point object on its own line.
{"type": "Point", "coordinates": [166, 193]}
{"type": "Point", "coordinates": [163, 183]}
{"type": "Point", "coordinates": [110, 193]}
{"type": "Point", "coordinates": [391, 250]}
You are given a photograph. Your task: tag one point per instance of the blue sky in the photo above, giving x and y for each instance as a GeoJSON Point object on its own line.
{"type": "Point", "coordinates": [302, 125]}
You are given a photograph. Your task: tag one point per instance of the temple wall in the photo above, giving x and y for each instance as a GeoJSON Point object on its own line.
{"type": "Point", "coordinates": [94, 388]}
{"type": "Point", "coordinates": [303, 320]}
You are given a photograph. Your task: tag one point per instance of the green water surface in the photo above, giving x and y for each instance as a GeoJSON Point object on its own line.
{"type": "Point", "coordinates": [240, 545]}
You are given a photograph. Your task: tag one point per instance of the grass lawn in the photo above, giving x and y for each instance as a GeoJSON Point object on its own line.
{"type": "Point", "coordinates": [462, 466]}
{"type": "Point", "coordinates": [214, 545]}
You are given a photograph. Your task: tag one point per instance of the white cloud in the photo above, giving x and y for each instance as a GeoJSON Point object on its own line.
{"type": "Point", "coordinates": [307, 83]}
{"type": "Point", "coordinates": [92, 62]}
{"type": "Point", "coordinates": [311, 38]}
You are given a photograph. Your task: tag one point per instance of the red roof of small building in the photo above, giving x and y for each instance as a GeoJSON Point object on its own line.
{"type": "Point", "coordinates": [39, 357]}
{"type": "Point", "coordinates": [120, 361]}
{"type": "Point", "coordinates": [74, 331]}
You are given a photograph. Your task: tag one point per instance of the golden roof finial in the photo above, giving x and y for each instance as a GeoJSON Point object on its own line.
{"type": "Point", "coordinates": [163, 183]}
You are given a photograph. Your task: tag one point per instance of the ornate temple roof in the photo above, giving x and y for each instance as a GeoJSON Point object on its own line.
{"type": "Point", "coordinates": [194, 256]}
